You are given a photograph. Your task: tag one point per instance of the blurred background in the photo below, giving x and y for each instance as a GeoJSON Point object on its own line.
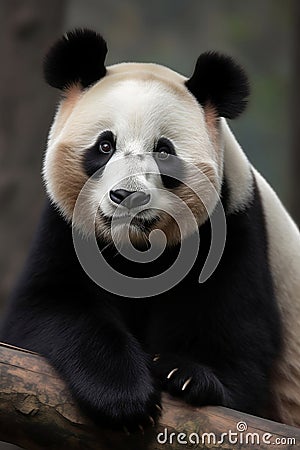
{"type": "Point", "coordinates": [263, 35]}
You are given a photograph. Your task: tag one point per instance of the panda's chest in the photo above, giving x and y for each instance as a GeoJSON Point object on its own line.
{"type": "Point", "coordinates": [177, 315]}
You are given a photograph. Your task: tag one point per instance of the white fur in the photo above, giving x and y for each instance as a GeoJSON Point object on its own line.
{"type": "Point", "coordinates": [284, 256]}
{"type": "Point", "coordinates": [237, 170]}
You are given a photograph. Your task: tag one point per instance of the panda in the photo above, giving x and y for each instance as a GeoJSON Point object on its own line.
{"type": "Point", "coordinates": [155, 159]}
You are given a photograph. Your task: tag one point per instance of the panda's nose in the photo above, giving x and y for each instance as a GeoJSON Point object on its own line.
{"type": "Point", "coordinates": [129, 199]}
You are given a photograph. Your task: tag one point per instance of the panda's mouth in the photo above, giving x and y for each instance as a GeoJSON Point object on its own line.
{"type": "Point", "coordinates": [137, 222]}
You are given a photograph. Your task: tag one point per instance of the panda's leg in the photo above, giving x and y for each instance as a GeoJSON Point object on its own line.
{"type": "Point", "coordinates": [195, 383]}
{"type": "Point", "coordinates": [245, 386]}
{"type": "Point", "coordinates": [58, 312]}
{"type": "Point", "coordinates": [103, 365]}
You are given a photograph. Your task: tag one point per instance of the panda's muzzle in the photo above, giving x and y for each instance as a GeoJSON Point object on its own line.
{"type": "Point", "coordinates": [129, 199]}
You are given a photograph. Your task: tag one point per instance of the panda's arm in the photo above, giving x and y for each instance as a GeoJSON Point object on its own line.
{"type": "Point", "coordinates": [54, 313]}
{"type": "Point", "coordinates": [225, 348]}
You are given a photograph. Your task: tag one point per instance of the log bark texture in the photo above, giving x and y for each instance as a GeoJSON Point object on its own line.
{"type": "Point", "coordinates": [37, 412]}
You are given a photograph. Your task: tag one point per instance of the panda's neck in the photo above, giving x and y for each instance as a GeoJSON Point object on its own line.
{"type": "Point", "coordinates": [237, 171]}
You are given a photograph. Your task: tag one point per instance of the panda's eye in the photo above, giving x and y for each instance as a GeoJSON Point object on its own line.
{"type": "Point", "coordinates": [105, 147]}
{"type": "Point", "coordinates": [163, 152]}
{"type": "Point", "coordinates": [164, 148]}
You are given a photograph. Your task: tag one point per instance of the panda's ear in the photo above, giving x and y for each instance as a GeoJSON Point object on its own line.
{"type": "Point", "coordinates": [218, 81]}
{"type": "Point", "coordinates": [77, 58]}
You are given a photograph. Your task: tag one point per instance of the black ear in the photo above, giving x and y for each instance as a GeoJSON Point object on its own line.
{"type": "Point", "coordinates": [217, 80]}
{"type": "Point", "coordinates": [78, 57]}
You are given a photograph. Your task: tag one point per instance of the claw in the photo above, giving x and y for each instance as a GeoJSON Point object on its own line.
{"type": "Point", "coordinates": [152, 421]}
{"type": "Point", "coordinates": [171, 373]}
{"type": "Point", "coordinates": [142, 429]}
{"type": "Point", "coordinates": [156, 357]}
{"type": "Point", "coordinates": [186, 383]}
{"type": "Point", "coordinates": [158, 407]}
{"type": "Point", "coordinates": [126, 431]}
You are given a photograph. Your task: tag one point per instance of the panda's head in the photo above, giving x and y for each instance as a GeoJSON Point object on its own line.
{"type": "Point", "coordinates": [147, 136]}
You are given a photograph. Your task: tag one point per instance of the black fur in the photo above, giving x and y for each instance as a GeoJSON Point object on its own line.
{"type": "Point", "coordinates": [217, 80]}
{"type": "Point", "coordinates": [78, 57]}
{"type": "Point", "coordinates": [93, 159]}
{"type": "Point", "coordinates": [224, 333]}
{"type": "Point", "coordinates": [171, 168]}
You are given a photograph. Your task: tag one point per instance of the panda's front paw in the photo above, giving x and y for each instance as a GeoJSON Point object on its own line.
{"type": "Point", "coordinates": [132, 408]}
{"type": "Point", "coordinates": [195, 383]}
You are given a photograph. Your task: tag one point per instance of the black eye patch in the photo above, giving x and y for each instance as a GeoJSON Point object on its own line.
{"type": "Point", "coordinates": [100, 153]}
{"type": "Point", "coordinates": [169, 164]}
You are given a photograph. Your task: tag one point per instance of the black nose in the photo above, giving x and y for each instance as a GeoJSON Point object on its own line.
{"type": "Point", "coordinates": [130, 199]}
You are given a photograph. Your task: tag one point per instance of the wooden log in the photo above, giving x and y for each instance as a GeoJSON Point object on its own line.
{"type": "Point", "coordinates": [37, 412]}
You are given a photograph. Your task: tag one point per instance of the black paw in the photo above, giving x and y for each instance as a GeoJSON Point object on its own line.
{"type": "Point", "coordinates": [195, 383]}
{"type": "Point", "coordinates": [129, 408]}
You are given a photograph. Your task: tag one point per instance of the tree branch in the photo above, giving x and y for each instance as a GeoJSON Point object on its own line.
{"type": "Point", "coordinates": [37, 412]}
